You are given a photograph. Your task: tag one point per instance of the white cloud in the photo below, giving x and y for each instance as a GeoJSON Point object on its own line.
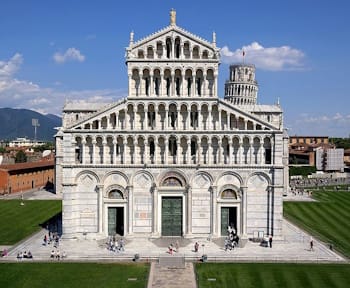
{"type": "Point", "coordinates": [72, 54]}
{"type": "Point", "coordinates": [337, 125]}
{"type": "Point", "coordinates": [10, 67]}
{"type": "Point", "coordinates": [266, 58]}
{"type": "Point", "coordinates": [16, 93]}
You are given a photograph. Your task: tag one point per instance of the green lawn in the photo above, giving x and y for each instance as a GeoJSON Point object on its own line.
{"type": "Point", "coordinates": [69, 275]}
{"type": "Point", "coordinates": [327, 219]}
{"type": "Point", "coordinates": [267, 275]}
{"type": "Point", "coordinates": [18, 222]}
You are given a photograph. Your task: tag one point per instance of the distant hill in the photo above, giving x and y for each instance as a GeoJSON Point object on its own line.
{"type": "Point", "coordinates": [18, 123]}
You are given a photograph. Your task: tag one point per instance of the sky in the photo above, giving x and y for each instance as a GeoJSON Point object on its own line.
{"type": "Point", "coordinates": [55, 51]}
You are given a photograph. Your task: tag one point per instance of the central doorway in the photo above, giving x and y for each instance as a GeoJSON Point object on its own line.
{"type": "Point", "coordinates": [115, 221]}
{"type": "Point", "coordinates": [228, 217]}
{"type": "Point", "coordinates": [171, 216]}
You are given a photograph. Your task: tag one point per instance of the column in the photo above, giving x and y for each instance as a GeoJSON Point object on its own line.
{"type": "Point", "coordinates": [199, 152]}
{"type": "Point", "coordinates": [210, 152]}
{"type": "Point", "coordinates": [117, 120]}
{"type": "Point", "coordinates": [151, 85]}
{"type": "Point", "coordinates": [104, 150]}
{"type": "Point", "coordinates": [155, 209]}
{"type": "Point", "coordinates": [99, 190]}
{"type": "Point", "coordinates": [230, 152]}
{"type": "Point", "coordinates": [214, 214]}
{"type": "Point", "coordinates": [164, 51]}
{"type": "Point", "coordinates": [83, 143]}
{"type": "Point", "coordinates": [220, 124]}
{"type": "Point", "coordinates": [146, 152]}
{"type": "Point", "coordinates": [145, 126]}
{"type": "Point", "coordinates": [215, 85]}
{"type": "Point", "coordinates": [172, 87]}
{"type": "Point", "coordinates": [210, 119]}
{"type": "Point", "coordinates": [261, 153]}
{"type": "Point", "coordinates": [130, 83]}
{"type": "Point", "coordinates": [166, 150]}
{"type": "Point", "coordinates": [108, 121]}
{"type": "Point", "coordinates": [239, 152]}
{"type": "Point", "coordinates": [182, 51]}
{"type": "Point", "coordinates": [130, 208]}
{"type": "Point", "coordinates": [244, 212]}
{"type": "Point", "coordinates": [193, 92]}
{"type": "Point", "coordinates": [272, 151]}
{"type": "Point", "coordinates": [166, 119]}
{"type": "Point", "coordinates": [161, 85]}
{"type": "Point", "coordinates": [155, 117]}
{"type": "Point", "coordinates": [178, 152]}
{"type": "Point", "coordinates": [172, 54]}
{"type": "Point", "coordinates": [204, 90]}
{"type": "Point", "coordinates": [183, 83]}
{"type": "Point", "coordinates": [93, 150]}
{"type": "Point", "coordinates": [156, 150]}
{"type": "Point", "coordinates": [188, 123]}
{"type": "Point", "coordinates": [200, 120]}
{"type": "Point", "coordinates": [188, 160]}
{"type": "Point", "coordinates": [127, 119]}
{"type": "Point", "coordinates": [189, 210]}
{"type": "Point", "coordinates": [250, 153]}
{"type": "Point", "coordinates": [220, 151]}
{"type": "Point", "coordinates": [115, 143]}
{"type": "Point", "coordinates": [125, 145]}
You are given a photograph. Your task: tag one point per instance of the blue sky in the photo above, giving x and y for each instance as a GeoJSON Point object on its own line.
{"type": "Point", "coordinates": [52, 51]}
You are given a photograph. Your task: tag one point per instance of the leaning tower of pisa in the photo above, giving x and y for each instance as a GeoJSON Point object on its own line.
{"type": "Point", "coordinates": [241, 88]}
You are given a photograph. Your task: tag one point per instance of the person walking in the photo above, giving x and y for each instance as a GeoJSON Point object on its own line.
{"type": "Point", "coordinates": [311, 244]}
{"type": "Point", "coordinates": [270, 241]}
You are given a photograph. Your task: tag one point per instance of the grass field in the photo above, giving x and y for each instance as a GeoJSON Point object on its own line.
{"type": "Point", "coordinates": [69, 275]}
{"type": "Point", "coordinates": [256, 275]}
{"type": "Point", "coordinates": [328, 219]}
{"type": "Point", "coordinates": [18, 222]}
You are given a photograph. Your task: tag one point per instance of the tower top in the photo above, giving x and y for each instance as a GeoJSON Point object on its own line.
{"type": "Point", "coordinates": [172, 17]}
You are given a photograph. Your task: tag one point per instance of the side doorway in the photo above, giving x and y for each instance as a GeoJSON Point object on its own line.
{"type": "Point", "coordinates": [228, 218]}
{"type": "Point", "coordinates": [115, 221]}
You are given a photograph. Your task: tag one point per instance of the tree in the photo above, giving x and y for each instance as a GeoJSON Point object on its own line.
{"type": "Point", "coordinates": [20, 157]}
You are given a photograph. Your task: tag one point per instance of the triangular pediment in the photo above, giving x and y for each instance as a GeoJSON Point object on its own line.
{"type": "Point", "coordinates": [173, 32]}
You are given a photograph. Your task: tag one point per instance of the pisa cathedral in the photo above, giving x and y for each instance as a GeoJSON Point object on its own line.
{"type": "Point", "coordinates": [173, 158]}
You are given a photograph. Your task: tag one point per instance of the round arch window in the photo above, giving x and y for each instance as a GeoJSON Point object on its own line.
{"type": "Point", "coordinates": [115, 194]}
{"type": "Point", "coordinates": [229, 194]}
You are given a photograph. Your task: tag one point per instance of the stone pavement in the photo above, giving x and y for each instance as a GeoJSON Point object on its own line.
{"type": "Point", "coordinates": [165, 277]}
{"type": "Point", "coordinates": [293, 247]}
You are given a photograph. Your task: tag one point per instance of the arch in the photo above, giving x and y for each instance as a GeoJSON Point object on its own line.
{"type": "Point", "coordinates": [87, 172]}
{"type": "Point", "coordinates": [229, 192]}
{"type": "Point", "coordinates": [115, 188]}
{"type": "Point", "coordinates": [201, 179]}
{"type": "Point", "coordinates": [229, 177]}
{"type": "Point", "coordinates": [256, 177]}
{"type": "Point", "coordinates": [114, 176]}
{"type": "Point", "coordinates": [175, 177]}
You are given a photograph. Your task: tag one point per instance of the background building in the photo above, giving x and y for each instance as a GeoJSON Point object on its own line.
{"type": "Point", "coordinates": [26, 176]}
{"type": "Point", "coordinates": [174, 159]}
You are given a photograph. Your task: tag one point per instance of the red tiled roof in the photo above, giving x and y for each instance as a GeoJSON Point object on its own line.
{"type": "Point", "coordinates": [26, 165]}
